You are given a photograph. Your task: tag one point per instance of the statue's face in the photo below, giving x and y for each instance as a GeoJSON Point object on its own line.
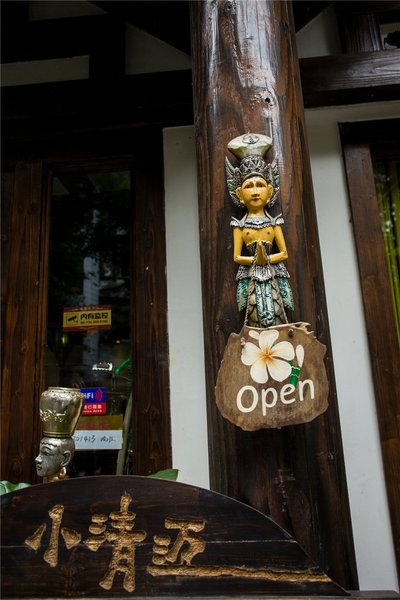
{"type": "Point", "coordinates": [255, 192]}
{"type": "Point", "coordinates": [52, 457]}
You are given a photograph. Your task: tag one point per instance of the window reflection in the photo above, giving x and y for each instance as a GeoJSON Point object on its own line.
{"type": "Point", "coordinates": [387, 178]}
{"type": "Point", "coordinates": [90, 269]}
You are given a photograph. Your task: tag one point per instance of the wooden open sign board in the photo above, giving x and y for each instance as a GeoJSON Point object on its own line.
{"type": "Point", "coordinates": [272, 377]}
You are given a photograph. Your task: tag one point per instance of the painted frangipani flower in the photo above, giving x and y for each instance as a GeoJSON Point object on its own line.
{"type": "Point", "coordinates": [267, 358]}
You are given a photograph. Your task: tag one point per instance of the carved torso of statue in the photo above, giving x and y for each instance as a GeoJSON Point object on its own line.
{"type": "Point", "coordinates": [259, 245]}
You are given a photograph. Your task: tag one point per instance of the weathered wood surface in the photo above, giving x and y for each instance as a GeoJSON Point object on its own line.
{"type": "Point", "coordinates": [299, 398]}
{"type": "Point", "coordinates": [234, 536]}
{"type": "Point", "coordinates": [350, 78]}
{"type": "Point", "coordinates": [246, 78]}
{"type": "Point", "coordinates": [233, 549]}
{"type": "Point", "coordinates": [23, 310]}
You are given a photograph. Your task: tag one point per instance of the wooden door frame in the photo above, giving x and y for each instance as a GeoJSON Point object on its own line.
{"type": "Point", "coordinates": [359, 142]}
{"type": "Point", "coordinates": [26, 305]}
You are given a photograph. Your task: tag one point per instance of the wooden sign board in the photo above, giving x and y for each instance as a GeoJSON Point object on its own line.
{"type": "Point", "coordinates": [272, 377]}
{"type": "Point", "coordinates": [127, 537]}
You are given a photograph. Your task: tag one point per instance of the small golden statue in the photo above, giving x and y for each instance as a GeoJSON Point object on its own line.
{"type": "Point", "coordinates": [60, 409]}
{"type": "Point", "coordinates": [263, 287]}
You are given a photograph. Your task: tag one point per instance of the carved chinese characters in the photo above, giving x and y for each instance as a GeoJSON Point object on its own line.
{"type": "Point", "coordinates": [116, 536]}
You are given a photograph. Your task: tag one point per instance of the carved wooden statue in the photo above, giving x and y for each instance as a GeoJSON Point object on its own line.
{"type": "Point", "coordinates": [272, 373]}
{"type": "Point", "coordinates": [263, 287]}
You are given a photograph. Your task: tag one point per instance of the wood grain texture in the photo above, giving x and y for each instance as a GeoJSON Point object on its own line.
{"type": "Point", "coordinates": [377, 301]}
{"type": "Point", "coordinates": [20, 418]}
{"type": "Point", "coordinates": [273, 403]}
{"type": "Point", "coordinates": [151, 414]}
{"type": "Point", "coordinates": [246, 78]}
{"type": "Point", "coordinates": [350, 78]}
{"type": "Point", "coordinates": [242, 552]}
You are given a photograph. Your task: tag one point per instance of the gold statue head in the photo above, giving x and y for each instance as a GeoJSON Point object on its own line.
{"type": "Point", "coordinates": [250, 150]}
{"type": "Point", "coordinates": [254, 193]}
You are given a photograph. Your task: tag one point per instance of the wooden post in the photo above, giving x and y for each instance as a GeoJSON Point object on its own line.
{"type": "Point", "coordinates": [246, 78]}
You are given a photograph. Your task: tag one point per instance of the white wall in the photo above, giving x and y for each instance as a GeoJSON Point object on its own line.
{"type": "Point", "coordinates": [185, 320]}
{"type": "Point", "coordinates": [363, 460]}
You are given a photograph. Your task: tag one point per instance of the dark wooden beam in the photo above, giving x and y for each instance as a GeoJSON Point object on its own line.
{"type": "Point", "coordinates": [34, 112]}
{"type": "Point", "coordinates": [100, 37]}
{"type": "Point", "coordinates": [246, 78]}
{"type": "Point", "coordinates": [167, 21]}
{"type": "Point", "coordinates": [326, 81]}
{"type": "Point", "coordinates": [350, 78]}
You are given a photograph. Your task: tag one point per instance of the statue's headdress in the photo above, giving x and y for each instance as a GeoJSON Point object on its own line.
{"type": "Point", "coordinates": [250, 150]}
{"type": "Point", "coordinates": [60, 409]}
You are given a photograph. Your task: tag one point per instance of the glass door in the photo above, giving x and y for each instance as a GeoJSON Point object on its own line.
{"type": "Point", "coordinates": [89, 313]}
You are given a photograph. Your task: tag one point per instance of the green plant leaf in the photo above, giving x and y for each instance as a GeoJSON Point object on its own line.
{"type": "Point", "coordinates": [7, 486]}
{"type": "Point", "coordinates": [170, 474]}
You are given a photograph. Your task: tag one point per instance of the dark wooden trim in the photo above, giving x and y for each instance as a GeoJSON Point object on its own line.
{"type": "Point", "coordinates": [33, 114]}
{"type": "Point", "coordinates": [62, 38]}
{"type": "Point", "coordinates": [382, 339]}
{"type": "Point", "coordinates": [167, 22]}
{"type": "Point", "coordinates": [296, 474]}
{"type": "Point", "coordinates": [151, 415]}
{"type": "Point", "coordinates": [358, 29]}
{"type": "Point", "coordinates": [350, 78]}
{"type": "Point", "coordinates": [37, 111]}
{"type": "Point", "coordinates": [20, 419]}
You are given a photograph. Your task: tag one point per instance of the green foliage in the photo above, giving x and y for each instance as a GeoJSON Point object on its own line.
{"type": "Point", "coordinates": [6, 487]}
{"type": "Point", "coordinates": [170, 474]}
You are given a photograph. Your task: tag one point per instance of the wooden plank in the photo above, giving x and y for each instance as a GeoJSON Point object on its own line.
{"type": "Point", "coordinates": [151, 414]}
{"type": "Point", "coordinates": [20, 418]}
{"type": "Point", "coordinates": [52, 548]}
{"type": "Point", "coordinates": [61, 38]}
{"type": "Point", "coordinates": [33, 113]}
{"type": "Point", "coordinates": [377, 300]}
{"type": "Point", "coordinates": [350, 78]}
{"type": "Point", "coordinates": [359, 30]}
{"type": "Point", "coordinates": [246, 79]}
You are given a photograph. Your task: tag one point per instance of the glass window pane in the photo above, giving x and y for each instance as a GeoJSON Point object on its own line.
{"type": "Point", "coordinates": [88, 330]}
{"type": "Point", "coordinates": [387, 178]}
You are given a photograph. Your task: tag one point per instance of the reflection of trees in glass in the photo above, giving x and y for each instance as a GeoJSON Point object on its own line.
{"type": "Point", "coordinates": [90, 218]}
{"type": "Point", "coordinates": [387, 178]}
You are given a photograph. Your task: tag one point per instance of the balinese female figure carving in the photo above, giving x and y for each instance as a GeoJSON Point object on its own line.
{"type": "Point", "coordinates": [259, 247]}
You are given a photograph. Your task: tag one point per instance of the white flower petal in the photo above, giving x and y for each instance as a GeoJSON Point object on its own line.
{"type": "Point", "coordinates": [254, 334]}
{"type": "Point", "coordinates": [250, 353]}
{"type": "Point", "coordinates": [279, 369]}
{"type": "Point", "coordinates": [300, 354]}
{"type": "Point", "coordinates": [258, 371]}
{"type": "Point", "coordinates": [267, 338]}
{"type": "Point", "coordinates": [283, 350]}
